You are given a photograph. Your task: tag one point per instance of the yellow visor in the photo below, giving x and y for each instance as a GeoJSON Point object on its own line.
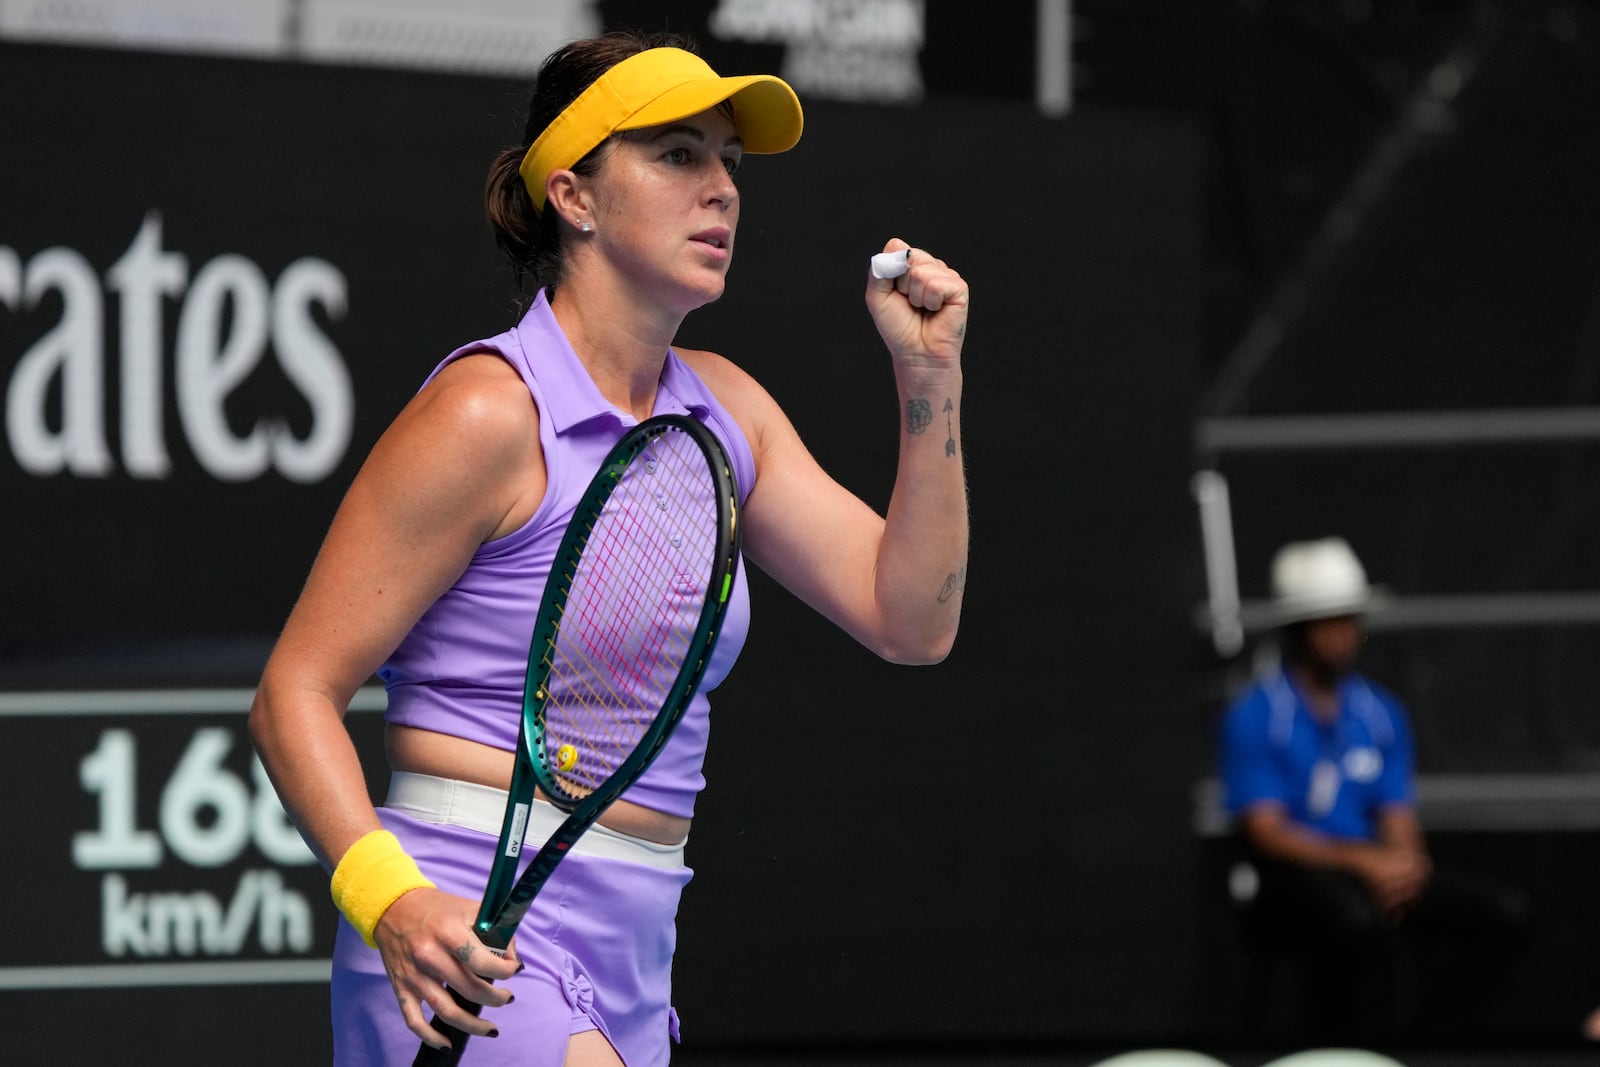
{"type": "Point", "coordinates": [657, 86]}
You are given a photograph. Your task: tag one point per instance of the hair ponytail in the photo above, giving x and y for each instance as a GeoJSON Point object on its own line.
{"type": "Point", "coordinates": [532, 240]}
{"type": "Point", "coordinates": [522, 234]}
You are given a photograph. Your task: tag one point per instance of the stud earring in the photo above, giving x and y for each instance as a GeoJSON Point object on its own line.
{"type": "Point", "coordinates": [584, 226]}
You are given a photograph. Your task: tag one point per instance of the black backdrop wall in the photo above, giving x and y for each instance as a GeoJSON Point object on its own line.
{"type": "Point", "coordinates": [220, 279]}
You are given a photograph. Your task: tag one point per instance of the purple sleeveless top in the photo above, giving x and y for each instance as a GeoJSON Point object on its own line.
{"type": "Point", "coordinates": [460, 670]}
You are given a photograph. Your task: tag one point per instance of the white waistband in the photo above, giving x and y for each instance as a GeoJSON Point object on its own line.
{"type": "Point", "coordinates": [483, 808]}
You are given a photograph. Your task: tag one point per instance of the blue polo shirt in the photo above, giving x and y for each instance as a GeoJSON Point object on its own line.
{"type": "Point", "coordinates": [1332, 777]}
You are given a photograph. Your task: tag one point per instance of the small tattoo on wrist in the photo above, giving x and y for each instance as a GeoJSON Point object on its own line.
{"type": "Point", "coordinates": [919, 415]}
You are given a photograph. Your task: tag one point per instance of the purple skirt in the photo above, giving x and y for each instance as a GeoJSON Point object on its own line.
{"type": "Point", "coordinates": [597, 946]}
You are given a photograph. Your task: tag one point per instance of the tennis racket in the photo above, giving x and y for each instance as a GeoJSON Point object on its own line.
{"type": "Point", "coordinates": [630, 614]}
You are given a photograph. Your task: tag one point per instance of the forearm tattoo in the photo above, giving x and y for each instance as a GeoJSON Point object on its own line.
{"type": "Point", "coordinates": [919, 416]}
{"type": "Point", "coordinates": [953, 584]}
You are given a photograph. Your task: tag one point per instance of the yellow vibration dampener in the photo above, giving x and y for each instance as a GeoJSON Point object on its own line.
{"type": "Point", "coordinates": [566, 758]}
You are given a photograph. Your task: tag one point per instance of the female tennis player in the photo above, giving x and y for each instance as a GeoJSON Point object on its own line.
{"type": "Point", "coordinates": [621, 207]}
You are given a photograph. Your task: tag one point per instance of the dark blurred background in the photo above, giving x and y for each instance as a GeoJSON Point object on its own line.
{"type": "Point", "coordinates": [1243, 272]}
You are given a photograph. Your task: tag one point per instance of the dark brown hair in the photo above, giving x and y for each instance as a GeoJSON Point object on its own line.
{"type": "Point", "coordinates": [529, 238]}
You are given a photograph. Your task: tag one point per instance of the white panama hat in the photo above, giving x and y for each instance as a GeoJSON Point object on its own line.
{"type": "Point", "coordinates": [1320, 580]}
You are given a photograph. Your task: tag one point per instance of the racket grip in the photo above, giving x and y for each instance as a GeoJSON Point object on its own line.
{"type": "Point", "coordinates": [428, 1056]}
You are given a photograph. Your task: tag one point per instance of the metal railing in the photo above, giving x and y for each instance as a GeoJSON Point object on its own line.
{"type": "Point", "coordinates": [1229, 618]}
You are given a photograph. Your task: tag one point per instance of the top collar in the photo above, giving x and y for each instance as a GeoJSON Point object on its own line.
{"type": "Point", "coordinates": [571, 396]}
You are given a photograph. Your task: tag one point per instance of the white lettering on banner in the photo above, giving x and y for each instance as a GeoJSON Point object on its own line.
{"type": "Point", "coordinates": [312, 363]}
{"type": "Point", "coordinates": [853, 74]}
{"type": "Point", "coordinates": [885, 24]}
{"type": "Point", "coordinates": [862, 50]}
{"type": "Point", "coordinates": [208, 816]}
{"type": "Point", "coordinates": [70, 351]}
{"type": "Point", "coordinates": [143, 278]}
{"type": "Point", "coordinates": [108, 772]}
{"type": "Point", "coordinates": [199, 784]}
{"type": "Point", "coordinates": [188, 924]}
{"type": "Point", "coordinates": [230, 315]}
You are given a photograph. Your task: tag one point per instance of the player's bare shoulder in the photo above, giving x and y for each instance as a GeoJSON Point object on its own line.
{"type": "Point", "coordinates": [475, 428]}
{"type": "Point", "coordinates": [738, 391]}
{"type": "Point", "coordinates": [755, 410]}
{"type": "Point", "coordinates": [482, 396]}
{"type": "Point", "coordinates": [713, 369]}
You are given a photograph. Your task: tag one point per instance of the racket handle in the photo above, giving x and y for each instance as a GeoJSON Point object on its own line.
{"type": "Point", "coordinates": [428, 1056]}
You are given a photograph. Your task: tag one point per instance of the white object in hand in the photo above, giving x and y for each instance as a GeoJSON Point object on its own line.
{"type": "Point", "coordinates": [891, 264]}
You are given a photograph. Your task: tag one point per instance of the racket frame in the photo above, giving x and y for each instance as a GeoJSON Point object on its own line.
{"type": "Point", "coordinates": [506, 896]}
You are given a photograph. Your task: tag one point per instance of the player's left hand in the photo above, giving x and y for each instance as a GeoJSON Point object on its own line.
{"type": "Point", "coordinates": [921, 315]}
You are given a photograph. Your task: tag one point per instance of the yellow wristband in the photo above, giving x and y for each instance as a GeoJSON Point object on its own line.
{"type": "Point", "coordinates": [373, 874]}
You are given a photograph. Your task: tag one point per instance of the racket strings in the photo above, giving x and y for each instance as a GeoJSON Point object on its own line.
{"type": "Point", "coordinates": [633, 604]}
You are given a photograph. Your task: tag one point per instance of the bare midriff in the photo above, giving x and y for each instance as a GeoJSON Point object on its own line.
{"type": "Point", "coordinates": [426, 752]}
